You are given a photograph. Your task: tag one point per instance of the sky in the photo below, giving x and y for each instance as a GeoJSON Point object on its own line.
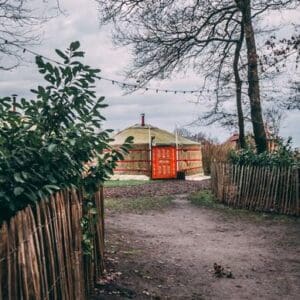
{"type": "Point", "coordinates": [164, 110]}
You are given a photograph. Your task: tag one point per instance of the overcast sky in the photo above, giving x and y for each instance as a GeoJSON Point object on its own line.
{"type": "Point", "coordinates": [162, 110]}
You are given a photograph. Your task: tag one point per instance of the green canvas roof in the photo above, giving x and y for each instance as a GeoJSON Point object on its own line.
{"type": "Point", "coordinates": [141, 136]}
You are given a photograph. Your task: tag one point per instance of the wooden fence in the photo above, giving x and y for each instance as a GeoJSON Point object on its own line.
{"type": "Point", "coordinates": [41, 254]}
{"type": "Point", "coordinates": [275, 189]}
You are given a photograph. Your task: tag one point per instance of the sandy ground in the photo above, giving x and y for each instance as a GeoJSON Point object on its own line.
{"type": "Point", "coordinates": [170, 255]}
{"type": "Point", "coordinates": [129, 177]}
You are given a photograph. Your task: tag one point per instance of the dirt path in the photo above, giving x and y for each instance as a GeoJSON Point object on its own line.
{"type": "Point", "coordinates": [170, 255]}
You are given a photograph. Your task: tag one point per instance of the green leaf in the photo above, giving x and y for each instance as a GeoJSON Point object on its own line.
{"type": "Point", "coordinates": [62, 55]}
{"type": "Point", "coordinates": [74, 46]}
{"type": "Point", "coordinates": [51, 188]}
{"type": "Point", "coordinates": [39, 61]}
{"type": "Point", "coordinates": [51, 147]}
{"type": "Point", "coordinates": [18, 191]}
{"type": "Point", "coordinates": [78, 54]}
{"type": "Point", "coordinates": [129, 140]}
{"type": "Point", "coordinates": [93, 211]}
{"type": "Point", "coordinates": [18, 178]}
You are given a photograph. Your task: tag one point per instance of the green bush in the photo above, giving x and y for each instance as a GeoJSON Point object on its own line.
{"type": "Point", "coordinates": [283, 156]}
{"type": "Point", "coordinates": [54, 141]}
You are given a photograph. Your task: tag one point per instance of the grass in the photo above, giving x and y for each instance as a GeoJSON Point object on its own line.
{"type": "Point", "coordinates": [138, 205]}
{"type": "Point", "coordinates": [206, 199]}
{"type": "Point", "coordinates": [123, 183]}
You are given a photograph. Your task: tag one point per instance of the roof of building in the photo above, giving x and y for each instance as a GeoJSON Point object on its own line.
{"type": "Point", "coordinates": [234, 138]}
{"type": "Point", "coordinates": [143, 135]}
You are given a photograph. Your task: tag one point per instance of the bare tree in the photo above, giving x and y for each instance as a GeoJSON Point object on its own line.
{"type": "Point", "coordinates": [276, 58]}
{"type": "Point", "coordinates": [20, 23]}
{"type": "Point", "coordinates": [294, 99]}
{"type": "Point", "coordinates": [284, 54]}
{"type": "Point", "coordinates": [172, 35]}
{"type": "Point", "coordinates": [274, 117]}
{"type": "Point", "coordinates": [238, 85]}
{"type": "Point", "coordinates": [199, 137]}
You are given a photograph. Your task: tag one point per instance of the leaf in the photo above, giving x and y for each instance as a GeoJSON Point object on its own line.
{"type": "Point", "coordinates": [18, 191]}
{"type": "Point", "coordinates": [119, 156]}
{"type": "Point", "coordinates": [50, 188]}
{"type": "Point", "coordinates": [51, 147]}
{"type": "Point", "coordinates": [74, 46]}
{"type": "Point", "coordinates": [62, 55]}
{"type": "Point", "coordinates": [50, 78]}
{"type": "Point", "coordinates": [39, 61]}
{"type": "Point", "coordinates": [18, 178]}
{"type": "Point", "coordinates": [129, 139]}
{"type": "Point", "coordinates": [93, 211]}
{"type": "Point", "coordinates": [78, 54]}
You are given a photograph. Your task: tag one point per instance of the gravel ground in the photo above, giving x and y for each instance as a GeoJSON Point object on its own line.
{"type": "Point", "coordinates": [171, 254]}
{"type": "Point", "coordinates": [157, 188]}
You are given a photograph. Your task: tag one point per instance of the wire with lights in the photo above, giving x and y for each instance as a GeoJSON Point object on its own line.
{"type": "Point", "coordinates": [122, 84]}
{"type": "Point", "coordinates": [134, 86]}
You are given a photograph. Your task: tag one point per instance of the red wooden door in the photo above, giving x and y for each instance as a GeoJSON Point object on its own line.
{"type": "Point", "coordinates": [163, 162]}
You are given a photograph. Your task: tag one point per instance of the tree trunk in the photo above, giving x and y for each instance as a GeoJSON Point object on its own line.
{"type": "Point", "coordinates": [238, 86]}
{"type": "Point", "coordinates": [253, 78]}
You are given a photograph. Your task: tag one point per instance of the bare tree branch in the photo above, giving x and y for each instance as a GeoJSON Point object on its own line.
{"type": "Point", "coordinates": [168, 36]}
{"type": "Point", "coordinates": [20, 24]}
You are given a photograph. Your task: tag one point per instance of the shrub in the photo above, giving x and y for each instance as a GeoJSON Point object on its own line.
{"type": "Point", "coordinates": [54, 141]}
{"type": "Point", "coordinates": [283, 156]}
{"type": "Point", "coordinates": [214, 152]}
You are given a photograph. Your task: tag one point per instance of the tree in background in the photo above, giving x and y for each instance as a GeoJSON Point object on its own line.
{"type": "Point", "coordinates": [199, 137]}
{"type": "Point", "coordinates": [173, 35]}
{"type": "Point", "coordinates": [211, 149]}
{"type": "Point", "coordinates": [284, 53]}
{"type": "Point", "coordinates": [278, 59]}
{"type": "Point", "coordinates": [274, 117]}
{"type": "Point", "coordinates": [294, 100]}
{"type": "Point", "coordinates": [20, 24]}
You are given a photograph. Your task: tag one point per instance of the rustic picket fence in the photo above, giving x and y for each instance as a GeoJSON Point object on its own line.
{"type": "Point", "coordinates": [41, 254]}
{"type": "Point", "coordinates": [269, 189]}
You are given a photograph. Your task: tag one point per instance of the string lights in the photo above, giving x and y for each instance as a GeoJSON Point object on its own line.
{"type": "Point", "coordinates": [122, 84]}
{"type": "Point", "coordinates": [136, 86]}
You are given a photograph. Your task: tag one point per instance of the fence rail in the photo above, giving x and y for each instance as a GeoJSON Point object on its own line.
{"type": "Point", "coordinates": [41, 255]}
{"type": "Point", "coordinates": [275, 189]}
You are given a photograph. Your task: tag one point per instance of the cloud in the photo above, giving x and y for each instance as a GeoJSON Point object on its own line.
{"type": "Point", "coordinates": [161, 109]}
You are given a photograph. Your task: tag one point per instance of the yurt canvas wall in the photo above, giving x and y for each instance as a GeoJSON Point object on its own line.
{"type": "Point", "coordinates": [137, 162]}
{"type": "Point", "coordinates": [189, 159]}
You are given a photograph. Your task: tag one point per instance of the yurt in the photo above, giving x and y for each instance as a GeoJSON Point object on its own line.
{"type": "Point", "coordinates": [158, 153]}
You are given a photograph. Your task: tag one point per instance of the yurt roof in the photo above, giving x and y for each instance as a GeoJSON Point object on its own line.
{"type": "Point", "coordinates": [141, 136]}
